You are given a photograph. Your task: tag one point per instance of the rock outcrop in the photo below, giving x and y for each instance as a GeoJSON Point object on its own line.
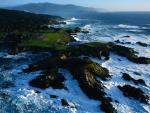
{"type": "Point", "coordinates": [48, 79]}
{"type": "Point", "coordinates": [129, 78]}
{"type": "Point", "coordinates": [83, 70]}
{"type": "Point", "coordinates": [142, 44]}
{"type": "Point", "coordinates": [135, 93]}
{"type": "Point", "coordinates": [129, 53]}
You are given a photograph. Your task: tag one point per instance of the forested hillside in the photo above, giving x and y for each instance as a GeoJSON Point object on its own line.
{"type": "Point", "coordinates": [11, 20]}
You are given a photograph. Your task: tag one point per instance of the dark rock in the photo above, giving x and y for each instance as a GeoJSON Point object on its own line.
{"type": "Point", "coordinates": [122, 42]}
{"type": "Point", "coordinates": [119, 59]}
{"type": "Point", "coordinates": [96, 49]}
{"type": "Point", "coordinates": [64, 102]}
{"type": "Point", "coordinates": [77, 30]}
{"type": "Point", "coordinates": [85, 71]}
{"type": "Point", "coordinates": [107, 106]}
{"type": "Point", "coordinates": [126, 76]}
{"type": "Point", "coordinates": [36, 91]}
{"type": "Point", "coordinates": [127, 36]}
{"type": "Point", "coordinates": [65, 88]}
{"type": "Point", "coordinates": [129, 53]}
{"type": "Point", "coordinates": [136, 93]}
{"type": "Point", "coordinates": [116, 101]}
{"type": "Point", "coordinates": [142, 44]}
{"type": "Point", "coordinates": [117, 41]}
{"type": "Point", "coordinates": [85, 64]}
{"type": "Point", "coordinates": [85, 31]}
{"type": "Point", "coordinates": [93, 49]}
{"type": "Point", "coordinates": [53, 96]}
{"type": "Point", "coordinates": [129, 78]}
{"type": "Point", "coordinates": [73, 30]}
{"type": "Point", "coordinates": [48, 79]}
{"type": "Point", "coordinates": [46, 64]}
{"type": "Point", "coordinates": [140, 81]}
{"type": "Point", "coordinates": [137, 73]}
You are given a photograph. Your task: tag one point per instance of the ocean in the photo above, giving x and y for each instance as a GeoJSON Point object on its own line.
{"type": "Point", "coordinates": [124, 28]}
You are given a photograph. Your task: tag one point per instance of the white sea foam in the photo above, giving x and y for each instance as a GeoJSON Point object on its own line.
{"type": "Point", "coordinates": [87, 27]}
{"type": "Point", "coordinates": [73, 19]}
{"type": "Point", "coordinates": [118, 65]}
{"type": "Point", "coordinates": [135, 30]}
{"type": "Point", "coordinates": [128, 26]}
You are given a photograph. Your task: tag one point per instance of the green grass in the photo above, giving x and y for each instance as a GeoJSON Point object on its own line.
{"type": "Point", "coordinates": [53, 40]}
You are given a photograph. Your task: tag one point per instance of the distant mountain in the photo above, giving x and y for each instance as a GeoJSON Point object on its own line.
{"type": "Point", "coordinates": [57, 9]}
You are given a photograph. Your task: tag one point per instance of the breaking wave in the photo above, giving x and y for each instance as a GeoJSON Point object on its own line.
{"type": "Point", "coordinates": [128, 26]}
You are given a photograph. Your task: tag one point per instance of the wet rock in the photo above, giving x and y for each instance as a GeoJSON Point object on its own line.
{"type": "Point", "coordinates": [84, 31]}
{"type": "Point", "coordinates": [116, 101]}
{"type": "Point", "coordinates": [46, 64]}
{"type": "Point", "coordinates": [86, 71]}
{"type": "Point", "coordinates": [36, 91]}
{"type": "Point", "coordinates": [137, 73]}
{"type": "Point", "coordinates": [64, 102]}
{"type": "Point", "coordinates": [135, 93]}
{"type": "Point", "coordinates": [117, 41]}
{"type": "Point", "coordinates": [107, 106]}
{"type": "Point", "coordinates": [129, 78]}
{"type": "Point", "coordinates": [86, 66]}
{"type": "Point", "coordinates": [48, 79]}
{"type": "Point", "coordinates": [53, 96]}
{"type": "Point", "coordinates": [129, 53]}
{"type": "Point", "coordinates": [122, 42]}
{"type": "Point", "coordinates": [99, 50]}
{"type": "Point", "coordinates": [94, 49]}
{"type": "Point", "coordinates": [127, 36]}
{"type": "Point", "coordinates": [142, 44]}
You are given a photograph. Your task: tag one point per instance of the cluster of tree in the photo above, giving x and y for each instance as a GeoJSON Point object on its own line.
{"type": "Point", "coordinates": [12, 20]}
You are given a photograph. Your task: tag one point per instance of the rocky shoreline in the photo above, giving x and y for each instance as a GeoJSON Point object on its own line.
{"type": "Point", "coordinates": [83, 69]}
{"type": "Point", "coordinates": [89, 74]}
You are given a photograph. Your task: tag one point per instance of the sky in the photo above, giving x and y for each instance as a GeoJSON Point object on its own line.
{"type": "Point", "coordinates": [112, 5]}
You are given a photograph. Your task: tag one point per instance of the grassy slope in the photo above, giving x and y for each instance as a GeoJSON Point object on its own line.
{"type": "Point", "coordinates": [53, 40]}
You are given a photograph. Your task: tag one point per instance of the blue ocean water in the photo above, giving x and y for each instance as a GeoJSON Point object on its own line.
{"type": "Point", "coordinates": [113, 25]}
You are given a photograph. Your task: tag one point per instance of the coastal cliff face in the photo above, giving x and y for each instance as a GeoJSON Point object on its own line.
{"type": "Point", "coordinates": [55, 70]}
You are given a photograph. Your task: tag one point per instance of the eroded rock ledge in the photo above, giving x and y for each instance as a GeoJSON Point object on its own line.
{"type": "Point", "coordinates": [51, 78]}
{"type": "Point", "coordinates": [83, 70]}
{"type": "Point", "coordinates": [134, 92]}
{"type": "Point", "coordinates": [129, 78]}
{"type": "Point", "coordinates": [94, 49]}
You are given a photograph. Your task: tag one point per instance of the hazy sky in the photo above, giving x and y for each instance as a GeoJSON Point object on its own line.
{"type": "Point", "coordinates": [114, 5]}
